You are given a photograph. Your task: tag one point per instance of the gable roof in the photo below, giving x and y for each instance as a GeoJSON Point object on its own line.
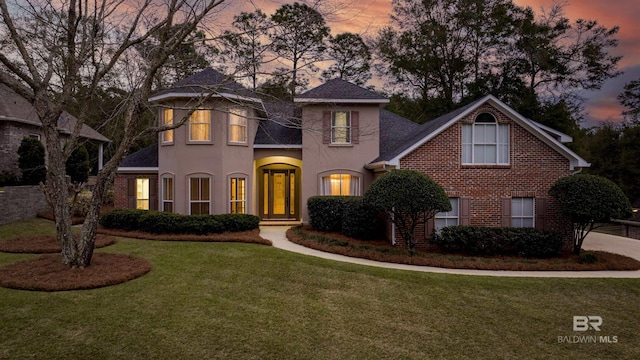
{"type": "Point", "coordinates": [145, 158]}
{"type": "Point", "coordinates": [15, 108]}
{"type": "Point", "coordinates": [203, 83]}
{"type": "Point", "coordinates": [393, 129]}
{"type": "Point", "coordinates": [432, 128]}
{"type": "Point", "coordinates": [340, 91]}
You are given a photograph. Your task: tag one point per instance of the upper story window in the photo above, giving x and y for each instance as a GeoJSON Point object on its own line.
{"type": "Point", "coordinates": [341, 185]}
{"type": "Point", "coordinates": [341, 127]}
{"type": "Point", "coordinates": [200, 126]}
{"type": "Point", "coordinates": [167, 119]}
{"type": "Point", "coordinates": [238, 126]}
{"type": "Point", "coordinates": [485, 141]}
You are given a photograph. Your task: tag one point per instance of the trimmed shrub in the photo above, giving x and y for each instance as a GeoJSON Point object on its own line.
{"type": "Point", "coordinates": [476, 240]}
{"type": "Point", "coordinates": [588, 258]}
{"type": "Point", "coordinates": [157, 222]}
{"type": "Point", "coordinates": [360, 220]}
{"type": "Point", "coordinates": [325, 212]}
{"type": "Point", "coordinates": [31, 161]}
{"type": "Point", "coordinates": [8, 178]}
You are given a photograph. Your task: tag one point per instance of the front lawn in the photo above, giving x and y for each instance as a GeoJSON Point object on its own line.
{"type": "Point", "coordinates": [246, 301]}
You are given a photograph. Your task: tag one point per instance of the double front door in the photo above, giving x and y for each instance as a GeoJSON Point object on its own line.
{"type": "Point", "coordinates": [279, 199]}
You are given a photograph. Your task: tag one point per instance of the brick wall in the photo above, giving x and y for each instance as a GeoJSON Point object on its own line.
{"type": "Point", "coordinates": [21, 203]}
{"type": "Point", "coordinates": [121, 191]}
{"type": "Point", "coordinates": [534, 167]}
{"type": "Point", "coordinates": [11, 135]}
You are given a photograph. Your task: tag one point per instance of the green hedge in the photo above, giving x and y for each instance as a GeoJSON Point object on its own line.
{"type": "Point", "coordinates": [476, 240]}
{"type": "Point", "coordinates": [157, 222]}
{"type": "Point", "coordinates": [349, 215]}
{"type": "Point", "coordinates": [325, 212]}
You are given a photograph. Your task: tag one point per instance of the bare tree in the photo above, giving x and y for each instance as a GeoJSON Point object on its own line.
{"type": "Point", "coordinates": [51, 49]}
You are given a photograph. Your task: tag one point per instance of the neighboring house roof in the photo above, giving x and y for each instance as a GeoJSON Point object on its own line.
{"type": "Point", "coordinates": [146, 158]}
{"type": "Point", "coordinates": [340, 91]}
{"type": "Point", "coordinates": [15, 108]}
{"type": "Point", "coordinates": [432, 128]}
{"type": "Point", "coordinates": [280, 128]}
{"type": "Point", "coordinates": [204, 83]}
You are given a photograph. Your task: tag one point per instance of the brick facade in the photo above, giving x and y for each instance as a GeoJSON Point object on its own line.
{"type": "Point", "coordinates": [124, 192]}
{"type": "Point", "coordinates": [534, 167]}
{"type": "Point", "coordinates": [21, 203]}
{"type": "Point", "coordinates": [11, 135]}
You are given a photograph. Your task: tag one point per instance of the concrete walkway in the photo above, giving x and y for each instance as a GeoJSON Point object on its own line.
{"type": "Point", "coordinates": [595, 241]}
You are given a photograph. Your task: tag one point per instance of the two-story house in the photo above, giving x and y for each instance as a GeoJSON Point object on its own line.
{"type": "Point", "coordinates": [238, 154]}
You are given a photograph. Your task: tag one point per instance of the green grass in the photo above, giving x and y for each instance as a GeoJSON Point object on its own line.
{"type": "Point", "coordinates": [244, 301]}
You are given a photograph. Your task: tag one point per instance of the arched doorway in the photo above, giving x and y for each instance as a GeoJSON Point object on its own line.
{"type": "Point", "coordinates": [279, 192]}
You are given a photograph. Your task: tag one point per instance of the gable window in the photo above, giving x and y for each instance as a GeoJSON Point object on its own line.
{"type": "Point", "coordinates": [341, 185]}
{"type": "Point", "coordinates": [341, 127]}
{"type": "Point", "coordinates": [199, 195]}
{"type": "Point", "coordinates": [237, 197]}
{"type": "Point", "coordinates": [200, 126]}
{"type": "Point", "coordinates": [167, 194]}
{"type": "Point", "coordinates": [142, 193]}
{"type": "Point", "coordinates": [238, 126]}
{"type": "Point", "coordinates": [448, 218]}
{"type": "Point", "coordinates": [522, 212]}
{"type": "Point", "coordinates": [167, 120]}
{"type": "Point", "coordinates": [485, 141]}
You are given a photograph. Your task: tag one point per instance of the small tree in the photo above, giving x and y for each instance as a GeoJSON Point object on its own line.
{"type": "Point", "coordinates": [587, 200]}
{"type": "Point", "coordinates": [78, 165]}
{"type": "Point", "coordinates": [31, 161]}
{"type": "Point", "coordinates": [408, 198]}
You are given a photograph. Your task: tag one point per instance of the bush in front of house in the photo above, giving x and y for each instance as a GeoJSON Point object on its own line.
{"type": "Point", "coordinates": [8, 178]}
{"type": "Point", "coordinates": [360, 220]}
{"type": "Point", "coordinates": [157, 222]}
{"type": "Point", "coordinates": [477, 240]}
{"type": "Point", "coordinates": [325, 212]}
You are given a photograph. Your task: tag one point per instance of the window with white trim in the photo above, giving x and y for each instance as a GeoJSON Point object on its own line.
{"type": "Point", "coordinates": [340, 185]}
{"type": "Point", "coordinates": [142, 193]}
{"type": "Point", "coordinates": [448, 218]}
{"type": "Point", "coordinates": [200, 126]}
{"type": "Point", "coordinates": [167, 194]}
{"type": "Point", "coordinates": [485, 141]}
{"type": "Point", "coordinates": [199, 195]}
{"type": "Point", "coordinates": [167, 119]}
{"type": "Point", "coordinates": [341, 127]}
{"type": "Point", "coordinates": [522, 212]}
{"type": "Point", "coordinates": [238, 126]}
{"type": "Point", "coordinates": [238, 195]}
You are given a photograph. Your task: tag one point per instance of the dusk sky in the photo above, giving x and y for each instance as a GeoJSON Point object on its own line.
{"type": "Point", "coordinates": [366, 16]}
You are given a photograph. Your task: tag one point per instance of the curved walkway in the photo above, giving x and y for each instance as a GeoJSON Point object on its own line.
{"type": "Point", "coordinates": [595, 241]}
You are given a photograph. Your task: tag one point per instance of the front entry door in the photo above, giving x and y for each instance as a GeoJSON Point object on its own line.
{"type": "Point", "coordinates": [279, 194]}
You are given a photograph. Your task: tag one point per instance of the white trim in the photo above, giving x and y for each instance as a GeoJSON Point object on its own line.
{"type": "Point", "coordinates": [202, 94]}
{"type": "Point", "coordinates": [563, 138]}
{"type": "Point", "coordinates": [277, 146]}
{"type": "Point", "coordinates": [340, 101]}
{"type": "Point", "coordinates": [138, 169]}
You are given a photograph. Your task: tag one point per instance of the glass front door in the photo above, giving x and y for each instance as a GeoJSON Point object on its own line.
{"type": "Point", "coordinates": [279, 199]}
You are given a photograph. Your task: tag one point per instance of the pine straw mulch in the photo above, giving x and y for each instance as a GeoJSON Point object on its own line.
{"type": "Point", "coordinates": [382, 250]}
{"type": "Point", "coordinates": [48, 273]}
{"type": "Point", "coordinates": [75, 220]}
{"type": "Point", "coordinates": [251, 236]}
{"type": "Point", "coordinates": [42, 244]}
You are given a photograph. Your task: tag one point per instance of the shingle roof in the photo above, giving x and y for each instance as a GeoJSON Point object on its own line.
{"type": "Point", "coordinates": [281, 125]}
{"type": "Point", "coordinates": [393, 129]}
{"type": "Point", "coordinates": [204, 82]}
{"type": "Point", "coordinates": [338, 89]}
{"type": "Point", "coordinates": [15, 108]}
{"type": "Point", "coordinates": [145, 158]}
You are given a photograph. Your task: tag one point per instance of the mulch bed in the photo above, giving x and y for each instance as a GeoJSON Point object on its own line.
{"type": "Point", "coordinates": [47, 273]}
{"type": "Point", "coordinates": [75, 220]}
{"type": "Point", "coordinates": [383, 251]}
{"type": "Point", "coordinates": [43, 244]}
{"type": "Point", "coordinates": [251, 236]}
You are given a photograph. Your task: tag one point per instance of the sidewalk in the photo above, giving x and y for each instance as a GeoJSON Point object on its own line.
{"type": "Point", "coordinates": [595, 241]}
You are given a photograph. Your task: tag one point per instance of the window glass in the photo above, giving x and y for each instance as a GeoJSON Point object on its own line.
{"type": "Point", "coordinates": [522, 212]}
{"type": "Point", "coordinates": [238, 195]}
{"type": "Point", "coordinates": [199, 195]}
{"type": "Point", "coordinates": [142, 194]}
{"type": "Point", "coordinates": [167, 194]}
{"type": "Point", "coordinates": [200, 126]}
{"type": "Point", "coordinates": [238, 126]}
{"type": "Point", "coordinates": [167, 119]}
{"type": "Point", "coordinates": [341, 184]}
{"type": "Point", "coordinates": [341, 127]}
{"type": "Point", "coordinates": [485, 141]}
{"type": "Point", "coordinates": [448, 218]}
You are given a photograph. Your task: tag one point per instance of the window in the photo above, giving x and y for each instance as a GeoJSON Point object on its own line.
{"type": "Point", "coordinates": [237, 197]}
{"type": "Point", "coordinates": [142, 193]}
{"type": "Point", "coordinates": [35, 136]}
{"type": "Point", "coordinates": [341, 184]}
{"type": "Point", "coordinates": [341, 127]}
{"type": "Point", "coordinates": [199, 196]}
{"type": "Point", "coordinates": [167, 194]}
{"type": "Point", "coordinates": [238, 126]}
{"type": "Point", "coordinates": [485, 141]}
{"type": "Point", "coordinates": [449, 218]}
{"type": "Point", "coordinates": [200, 126]}
{"type": "Point", "coordinates": [522, 212]}
{"type": "Point", "coordinates": [167, 119]}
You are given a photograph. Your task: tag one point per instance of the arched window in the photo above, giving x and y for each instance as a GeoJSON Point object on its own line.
{"type": "Point", "coordinates": [485, 141]}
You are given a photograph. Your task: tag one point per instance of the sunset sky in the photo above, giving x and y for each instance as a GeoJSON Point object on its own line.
{"type": "Point", "coordinates": [366, 16]}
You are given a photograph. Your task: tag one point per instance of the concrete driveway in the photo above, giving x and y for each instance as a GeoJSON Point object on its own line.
{"type": "Point", "coordinates": [594, 241]}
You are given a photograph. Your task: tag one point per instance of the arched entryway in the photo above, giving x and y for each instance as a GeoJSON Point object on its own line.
{"type": "Point", "coordinates": [279, 189]}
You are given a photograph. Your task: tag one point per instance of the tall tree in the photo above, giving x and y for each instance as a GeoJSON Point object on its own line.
{"type": "Point", "coordinates": [630, 98]}
{"type": "Point", "coordinates": [298, 36]}
{"type": "Point", "coordinates": [351, 57]}
{"type": "Point", "coordinates": [51, 49]}
{"type": "Point", "coordinates": [246, 45]}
